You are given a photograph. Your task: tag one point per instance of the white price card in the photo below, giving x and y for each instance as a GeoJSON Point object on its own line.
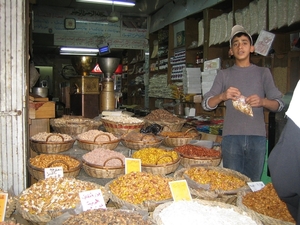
{"type": "Point", "coordinates": [92, 199]}
{"type": "Point", "coordinates": [55, 172]}
{"type": "Point", "coordinates": [180, 190]}
{"type": "Point", "coordinates": [256, 186]}
{"type": "Point", "coordinates": [132, 165]}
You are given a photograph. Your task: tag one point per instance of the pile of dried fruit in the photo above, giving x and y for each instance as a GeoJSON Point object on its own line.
{"type": "Point", "coordinates": [155, 156]}
{"type": "Point", "coordinates": [54, 160]}
{"type": "Point", "coordinates": [216, 179]}
{"type": "Point", "coordinates": [267, 202]}
{"type": "Point", "coordinates": [137, 187]}
{"type": "Point", "coordinates": [197, 151]}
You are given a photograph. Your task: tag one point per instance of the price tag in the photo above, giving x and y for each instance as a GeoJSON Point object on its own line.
{"type": "Point", "coordinates": [92, 199]}
{"type": "Point", "coordinates": [3, 202]}
{"type": "Point", "coordinates": [180, 190]}
{"type": "Point", "coordinates": [256, 186]}
{"type": "Point", "coordinates": [132, 165]}
{"type": "Point", "coordinates": [55, 172]}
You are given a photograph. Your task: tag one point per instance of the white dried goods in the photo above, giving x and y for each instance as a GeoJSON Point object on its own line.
{"type": "Point", "coordinates": [51, 137]}
{"type": "Point", "coordinates": [193, 213]}
{"type": "Point", "coordinates": [96, 136]}
{"type": "Point", "coordinates": [123, 119]}
{"type": "Point", "coordinates": [9, 223]}
{"type": "Point", "coordinates": [100, 156]}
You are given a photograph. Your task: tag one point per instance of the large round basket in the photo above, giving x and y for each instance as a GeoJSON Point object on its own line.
{"type": "Point", "coordinates": [50, 147]}
{"type": "Point", "coordinates": [74, 126]}
{"type": "Point", "coordinates": [179, 141]}
{"type": "Point", "coordinates": [175, 125]}
{"type": "Point", "coordinates": [104, 171]}
{"type": "Point", "coordinates": [188, 161]}
{"type": "Point", "coordinates": [162, 169]}
{"type": "Point", "coordinates": [157, 219]}
{"type": "Point", "coordinates": [148, 206]}
{"type": "Point", "coordinates": [39, 173]}
{"type": "Point", "coordinates": [136, 145]}
{"type": "Point", "coordinates": [44, 217]}
{"type": "Point", "coordinates": [118, 128]}
{"type": "Point", "coordinates": [91, 145]}
{"type": "Point", "coordinates": [267, 220]}
{"type": "Point", "coordinates": [229, 197]}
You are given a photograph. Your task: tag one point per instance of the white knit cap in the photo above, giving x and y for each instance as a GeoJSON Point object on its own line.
{"type": "Point", "coordinates": [239, 29]}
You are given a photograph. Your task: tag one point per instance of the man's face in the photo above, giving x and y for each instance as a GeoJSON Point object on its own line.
{"type": "Point", "coordinates": [241, 47]}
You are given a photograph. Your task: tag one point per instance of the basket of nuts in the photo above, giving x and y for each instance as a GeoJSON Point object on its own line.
{"type": "Point", "coordinates": [139, 191]}
{"type": "Point", "coordinates": [93, 139]}
{"type": "Point", "coordinates": [136, 140]}
{"type": "Point", "coordinates": [179, 138]}
{"type": "Point", "coordinates": [103, 163]}
{"type": "Point", "coordinates": [51, 143]}
{"type": "Point", "coordinates": [36, 165]}
{"type": "Point", "coordinates": [214, 183]}
{"type": "Point", "coordinates": [120, 125]}
{"type": "Point", "coordinates": [157, 160]}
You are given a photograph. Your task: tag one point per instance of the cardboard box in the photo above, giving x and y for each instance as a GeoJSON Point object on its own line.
{"type": "Point", "coordinates": [41, 110]}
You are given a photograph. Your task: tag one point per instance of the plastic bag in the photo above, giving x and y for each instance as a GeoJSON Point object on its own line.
{"type": "Point", "coordinates": [241, 105]}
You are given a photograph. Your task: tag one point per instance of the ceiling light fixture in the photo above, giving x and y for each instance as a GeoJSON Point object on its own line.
{"type": "Point", "coordinates": [79, 51]}
{"type": "Point", "coordinates": [109, 2]}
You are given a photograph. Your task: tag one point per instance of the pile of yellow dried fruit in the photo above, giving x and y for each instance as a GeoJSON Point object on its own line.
{"type": "Point", "coordinates": [217, 180]}
{"type": "Point", "coordinates": [267, 202]}
{"type": "Point", "coordinates": [54, 160]}
{"type": "Point", "coordinates": [137, 187]}
{"type": "Point", "coordinates": [155, 156]}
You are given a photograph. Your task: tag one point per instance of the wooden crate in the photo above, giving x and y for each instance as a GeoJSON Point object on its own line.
{"type": "Point", "coordinates": [41, 110]}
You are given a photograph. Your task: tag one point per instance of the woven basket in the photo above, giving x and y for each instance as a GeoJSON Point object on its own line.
{"type": "Point", "coordinates": [179, 141]}
{"type": "Point", "coordinates": [267, 220]}
{"type": "Point", "coordinates": [74, 126]}
{"type": "Point", "coordinates": [162, 169]}
{"type": "Point", "coordinates": [136, 145]}
{"type": "Point", "coordinates": [188, 161]}
{"type": "Point", "coordinates": [158, 210]}
{"type": "Point", "coordinates": [148, 206]}
{"type": "Point", "coordinates": [229, 197]}
{"type": "Point", "coordinates": [121, 128]}
{"type": "Point", "coordinates": [104, 171]}
{"type": "Point", "coordinates": [49, 147]}
{"type": "Point", "coordinates": [91, 145]}
{"type": "Point", "coordinates": [167, 125]}
{"type": "Point", "coordinates": [39, 173]}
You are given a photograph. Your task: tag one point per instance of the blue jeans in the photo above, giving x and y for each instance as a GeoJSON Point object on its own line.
{"type": "Point", "coordinates": [245, 154]}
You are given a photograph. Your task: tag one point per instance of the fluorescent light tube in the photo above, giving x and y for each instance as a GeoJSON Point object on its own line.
{"type": "Point", "coordinates": [110, 2]}
{"type": "Point", "coordinates": [79, 51]}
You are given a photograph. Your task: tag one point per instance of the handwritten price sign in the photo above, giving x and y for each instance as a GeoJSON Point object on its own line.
{"type": "Point", "coordinates": [92, 200]}
{"type": "Point", "coordinates": [55, 172]}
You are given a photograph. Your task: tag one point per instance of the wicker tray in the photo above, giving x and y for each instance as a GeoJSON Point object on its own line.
{"type": "Point", "coordinates": [91, 145]}
{"type": "Point", "coordinates": [148, 206]}
{"type": "Point", "coordinates": [179, 141]}
{"type": "Point", "coordinates": [267, 220]}
{"type": "Point", "coordinates": [229, 197]}
{"type": "Point", "coordinates": [167, 125]}
{"type": "Point", "coordinates": [158, 209]}
{"type": "Point", "coordinates": [38, 173]}
{"type": "Point", "coordinates": [188, 161]}
{"type": "Point", "coordinates": [49, 147]}
{"type": "Point", "coordinates": [121, 128]}
{"type": "Point", "coordinates": [74, 126]}
{"type": "Point", "coordinates": [136, 145]}
{"type": "Point", "coordinates": [162, 169]}
{"type": "Point", "coordinates": [104, 171]}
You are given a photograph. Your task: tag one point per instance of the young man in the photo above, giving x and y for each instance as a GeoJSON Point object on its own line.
{"type": "Point", "coordinates": [284, 159]}
{"type": "Point", "coordinates": [244, 137]}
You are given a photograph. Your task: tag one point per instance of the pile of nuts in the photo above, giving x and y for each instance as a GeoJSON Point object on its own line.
{"type": "Point", "coordinates": [137, 136]}
{"type": "Point", "coordinates": [99, 156]}
{"type": "Point", "coordinates": [155, 156]}
{"type": "Point", "coordinates": [163, 115]}
{"type": "Point", "coordinates": [51, 137]}
{"type": "Point", "coordinates": [216, 179]}
{"type": "Point", "coordinates": [97, 136]}
{"type": "Point", "coordinates": [137, 187]}
{"type": "Point", "coordinates": [179, 134]}
{"type": "Point", "coordinates": [267, 202]}
{"type": "Point", "coordinates": [54, 160]}
{"type": "Point", "coordinates": [123, 119]}
{"type": "Point", "coordinates": [197, 151]}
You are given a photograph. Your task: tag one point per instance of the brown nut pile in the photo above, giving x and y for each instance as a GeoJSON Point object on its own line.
{"type": "Point", "coordinates": [137, 136]}
{"type": "Point", "coordinates": [162, 115]}
{"type": "Point", "coordinates": [54, 194]}
{"type": "Point", "coordinates": [54, 160]}
{"type": "Point", "coordinates": [179, 134]}
{"type": "Point", "coordinates": [216, 179]}
{"type": "Point", "coordinates": [267, 202]}
{"type": "Point", "coordinates": [107, 217]}
{"type": "Point", "coordinates": [97, 136]}
{"type": "Point", "coordinates": [138, 187]}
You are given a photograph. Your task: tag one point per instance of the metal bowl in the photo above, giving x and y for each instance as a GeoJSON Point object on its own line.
{"type": "Point", "coordinates": [83, 64]}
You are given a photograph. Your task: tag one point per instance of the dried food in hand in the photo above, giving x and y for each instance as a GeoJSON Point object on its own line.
{"type": "Point", "coordinates": [241, 105]}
